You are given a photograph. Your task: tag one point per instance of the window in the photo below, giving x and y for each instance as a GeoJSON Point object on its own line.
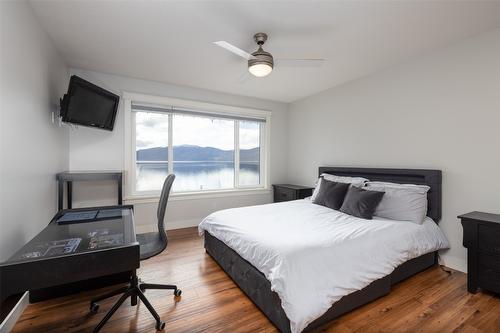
{"type": "Point", "coordinates": [151, 144]}
{"type": "Point", "coordinates": [249, 153]}
{"type": "Point", "coordinates": [207, 151]}
{"type": "Point", "coordinates": [203, 153]}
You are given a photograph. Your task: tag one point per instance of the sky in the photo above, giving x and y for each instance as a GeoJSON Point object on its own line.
{"type": "Point", "coordinates": [152, 131]}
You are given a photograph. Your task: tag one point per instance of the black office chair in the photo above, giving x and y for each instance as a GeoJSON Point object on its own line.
{"type": "Point", "coordinates": [151, 244]}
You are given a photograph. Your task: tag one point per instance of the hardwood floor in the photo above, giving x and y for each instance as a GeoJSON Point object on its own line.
{"type": "Point", "coordinates": [432, 301]}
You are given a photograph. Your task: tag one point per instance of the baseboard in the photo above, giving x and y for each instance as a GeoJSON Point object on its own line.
{"type": "Point", "coordinates": [10, 321]}
{"type": "Point", "coordinates": [455, 263]}
{"type": "Point", "coordinates": [183, 224]}
{"type": "Point", "coordinates": [143, 228]}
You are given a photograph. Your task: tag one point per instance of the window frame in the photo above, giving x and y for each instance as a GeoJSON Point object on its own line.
{"type": "Point", "coordinates": [201, 107]}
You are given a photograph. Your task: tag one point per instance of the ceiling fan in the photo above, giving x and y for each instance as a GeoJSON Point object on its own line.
{"type": "Point", "coordinates": [261, 63]}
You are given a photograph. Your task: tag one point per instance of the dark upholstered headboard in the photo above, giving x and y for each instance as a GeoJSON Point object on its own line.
{"type": "Point", "coordinates": [431, 178]}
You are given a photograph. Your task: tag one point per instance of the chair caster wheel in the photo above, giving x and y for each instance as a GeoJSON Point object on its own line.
{"type": "Point", "coordinates": [160, 325]}
{"type": "Point", "coordinates": [94, 307]}
{"type": "Point", "coordinates": [177, 292]}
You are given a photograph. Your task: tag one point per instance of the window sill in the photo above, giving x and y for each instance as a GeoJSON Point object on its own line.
{"type": "Point", "coordinates": [137, 199]}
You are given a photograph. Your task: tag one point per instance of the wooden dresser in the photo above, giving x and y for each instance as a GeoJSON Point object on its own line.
{"type": "Point", "coordinates": [482, 240]}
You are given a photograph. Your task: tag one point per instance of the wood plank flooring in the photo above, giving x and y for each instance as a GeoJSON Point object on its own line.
{"type": "Point", "coordinates": [432, 301]}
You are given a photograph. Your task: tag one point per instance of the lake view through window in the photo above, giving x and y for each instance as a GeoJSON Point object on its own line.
{"type": "Point", "coordinates": [203, 152]}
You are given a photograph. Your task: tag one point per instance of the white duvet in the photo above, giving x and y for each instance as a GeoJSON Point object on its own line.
{"type": "Point", "coordinates": [313, 255]}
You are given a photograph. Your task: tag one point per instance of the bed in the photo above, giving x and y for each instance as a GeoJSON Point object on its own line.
{"type": "Point", "coordinates": [295, 303]}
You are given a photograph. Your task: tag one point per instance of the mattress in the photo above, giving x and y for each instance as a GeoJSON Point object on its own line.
{"type": "Point", "coordinates": [298, 242]}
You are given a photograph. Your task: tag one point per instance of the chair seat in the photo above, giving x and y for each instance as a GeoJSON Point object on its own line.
{"type": "Point", "coordinates": [151, 244]}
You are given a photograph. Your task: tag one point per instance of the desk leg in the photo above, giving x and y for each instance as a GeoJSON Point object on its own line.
{"type": "Point", "coordinates": [60, 194]}
{"type": "Point", "coordinates": [70, 195]}
{"type": "Point", "coordinates": [120, 190]}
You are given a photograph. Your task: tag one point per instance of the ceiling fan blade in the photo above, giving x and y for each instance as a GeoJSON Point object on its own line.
{"type": "Point", "coordinates": [234, 49]}
{"type": "Point", "coordinates": [299, 62]}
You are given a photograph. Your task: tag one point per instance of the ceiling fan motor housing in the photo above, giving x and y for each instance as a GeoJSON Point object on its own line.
{"type": "Point", "coordinates": [261, 57]}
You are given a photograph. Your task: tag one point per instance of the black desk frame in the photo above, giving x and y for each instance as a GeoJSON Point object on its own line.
{"type": "Point", "coordinates": [69, 177]}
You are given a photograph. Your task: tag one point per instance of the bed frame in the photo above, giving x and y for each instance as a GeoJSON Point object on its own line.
{"type": "Point", "coordinates": [255, 285]}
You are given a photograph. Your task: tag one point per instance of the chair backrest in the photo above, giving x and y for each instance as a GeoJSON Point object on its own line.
{"type": "Point", "coordinates": [162, 206]}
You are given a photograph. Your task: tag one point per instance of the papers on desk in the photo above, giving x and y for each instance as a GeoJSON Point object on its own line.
{"type": "Point", "coordinates": [89, 215]}
{"type": "Point", "coordinates": [102, 238]}
{"type": "Point", "coordinates": [53, 248]}
{"type": "Point", "coordinates": [73, 217]}
{"type": "Point", "coordinates": [109, 213]}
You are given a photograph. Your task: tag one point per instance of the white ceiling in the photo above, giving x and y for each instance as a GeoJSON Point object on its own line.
{"type": "Point", "coordinates": [172, 41]}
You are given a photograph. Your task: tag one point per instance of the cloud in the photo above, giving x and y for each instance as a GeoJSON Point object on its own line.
{"type": "Point", "coordinates": [151, 130]}
{"type": "Point", "coordinates": [150, 122]}
{"type": "Point", "coordinates": [144, 143]}
{"type": "Point", "coordinates": [249, 134]}
{"type": "Point", "coordinates": [203, 132]}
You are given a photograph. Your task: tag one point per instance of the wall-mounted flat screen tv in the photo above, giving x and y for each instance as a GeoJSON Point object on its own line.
{"type": "Point", "coordinates": [89, 105]}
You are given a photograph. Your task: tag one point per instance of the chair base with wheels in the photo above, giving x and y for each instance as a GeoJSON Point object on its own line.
{"type": "Point", "coordinates": [134, 290]}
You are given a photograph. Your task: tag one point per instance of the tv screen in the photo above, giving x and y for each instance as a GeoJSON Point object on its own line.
{"type": "Point", "coordinates": [89, 105]}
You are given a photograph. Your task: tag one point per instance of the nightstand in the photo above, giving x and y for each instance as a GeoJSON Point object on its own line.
{"type": "Point", "coordinates": [482, 240]}
{"type": "Point", "coordinates": [287, 192]}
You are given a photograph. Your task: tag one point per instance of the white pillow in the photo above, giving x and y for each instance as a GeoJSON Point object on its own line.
{"type": "Point", "coordinates": [354, 181]}
{"type": "Point", "coordinates": [403, 202]}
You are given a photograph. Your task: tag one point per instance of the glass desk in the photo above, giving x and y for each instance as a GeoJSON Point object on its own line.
{"type": "Point", "coordinates": [71, 252]}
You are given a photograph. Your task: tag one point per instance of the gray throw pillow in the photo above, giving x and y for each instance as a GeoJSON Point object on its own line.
{"type": "Point", "coordinates": [361, 203]}
{"type": "Point", "coordinates": [331, 194]}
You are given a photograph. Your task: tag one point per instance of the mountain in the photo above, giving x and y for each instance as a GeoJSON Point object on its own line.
{"type": "Point", "coordinates": [196, 153]}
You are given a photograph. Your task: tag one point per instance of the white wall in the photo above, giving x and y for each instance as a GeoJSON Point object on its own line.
{"type": "Point", "coordinates": [441, 111]}
{"type": "Point", "coordinates": [33, 150]}
{"type": "Point", "coordinates": [93, 149]}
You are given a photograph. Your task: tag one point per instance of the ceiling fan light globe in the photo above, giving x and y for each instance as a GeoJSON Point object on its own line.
{"type": "Point", "coordinates": [260, 69]}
